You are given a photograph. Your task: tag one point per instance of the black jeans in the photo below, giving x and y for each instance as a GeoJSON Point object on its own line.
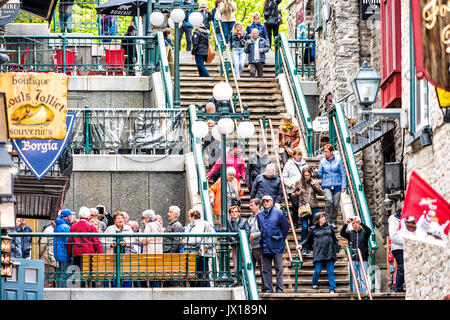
{"type": "Point", "coordinates": [400, 280]}
{"type": "Point", "coordinates": [271, 30]}
{"type": "Point", "coordinates": [294, 212]}
{"type": "Point", "coordinates": [188, 32]}
{"type": "Point", "coordinates": [256, 69]}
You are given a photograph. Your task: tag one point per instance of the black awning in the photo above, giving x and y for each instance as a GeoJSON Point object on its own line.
{"type": "Point", "coordinates": [39, 199]}
{"type": "Point", "coordinates": [40, 8]}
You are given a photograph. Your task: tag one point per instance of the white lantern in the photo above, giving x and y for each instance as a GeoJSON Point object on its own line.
{"type": "Point", "coordinates": [215, 133]}
{"type": "Point", "coordinates": [365, 84]}
{"type": "Point", "coordinates": [245, 129]}
{"type": "Point", "coordinates": [222, 91]}
{"type": "Point", "coordinates": [177, 15]}
{"type": "Point", "coordinates": [195, 18]}
{"type": "Point", "coordinates": [226, 126]}
{"type": "Point", "coordinates": [200, 129]}
{"type": "Point", "coordinates": [157, 18]}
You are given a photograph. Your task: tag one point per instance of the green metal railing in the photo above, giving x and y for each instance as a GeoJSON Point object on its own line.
{"type": "Point", "coordinates": [127, 259]}
{"type": "Point", "coordinates": [340, 137]}
{"type": "Point", "coordinates": [284, 63]}
{"type": "Point", "coordinates": [165, 71]}
{"type": "Point", "coordinates": [78, 55]}
{"type": "Point", "coordinates": [303, 51]}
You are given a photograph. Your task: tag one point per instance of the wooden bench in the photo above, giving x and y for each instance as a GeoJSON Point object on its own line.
{"type": "Point", "coordinates": [164, 266]}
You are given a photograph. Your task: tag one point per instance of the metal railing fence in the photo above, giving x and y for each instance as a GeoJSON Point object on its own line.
{"type": "Point", "coordinates": [129, 131]}
{"type": "Point", "coordinates": [80, 55]}
{"type": "Point", "coordinates": [304, 57]}
{"type": "Point", "coordinates": [136, 259]}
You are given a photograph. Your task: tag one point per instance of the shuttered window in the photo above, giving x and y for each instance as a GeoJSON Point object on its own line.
{"type": "Point", "coordinates": [317, 14]}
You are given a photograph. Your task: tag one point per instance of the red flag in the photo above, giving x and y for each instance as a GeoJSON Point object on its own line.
{"type": "Point", "coordinates": [426, 214]}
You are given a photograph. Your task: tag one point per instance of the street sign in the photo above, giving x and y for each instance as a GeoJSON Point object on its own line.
{"type": "Point", "coordinates": [9, 11]}
{"type": "Point", "coordinates": [321, 124]}
{"type": "Point", "coordinates": [40, 155]}
{"type": "Point", "coordinates": [370, 9]}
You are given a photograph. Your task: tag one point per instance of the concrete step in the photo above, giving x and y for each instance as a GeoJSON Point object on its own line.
{"type": "Point", "coordinates": [311, 294]}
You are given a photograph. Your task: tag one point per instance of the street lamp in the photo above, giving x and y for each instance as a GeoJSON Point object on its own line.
{"type": "Point", "coordinates": [365, 84]}
{"type": "Point", "coordinates": [223, 92]}
{"type": "Point", "coordinates": [177, 16]}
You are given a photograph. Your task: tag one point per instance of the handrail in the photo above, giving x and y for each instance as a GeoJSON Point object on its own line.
{"type": "Point", "coordinates": [200, 165]}
{"type": "Point", "coordinates": [359, 200]}
{"type": "Point", "coordinates": [352, 271]}
{"type": "Point", "coordinates": [226, 45]}
{"type": "Point", "coordinates": [165, 71]}
{"type": "Point", "coordinates": [248, 270]}
{"type": "Point", "coordinates": [285, 197]}
{"type": "Point", "coordinates": [302, 112]}
{"type": "Point", "coordinates": [364, 272]}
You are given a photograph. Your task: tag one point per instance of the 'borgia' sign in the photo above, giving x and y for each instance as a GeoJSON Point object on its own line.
{"type": "Point", "coordinates": [40, 155]}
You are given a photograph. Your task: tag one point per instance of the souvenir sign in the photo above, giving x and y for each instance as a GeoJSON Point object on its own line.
{"type": "Point", "coordinates": [40, 155]}
{"type": "Point", "coordinates": [425, 215]}
{"type": "Point", "coordinates": [36, 104]}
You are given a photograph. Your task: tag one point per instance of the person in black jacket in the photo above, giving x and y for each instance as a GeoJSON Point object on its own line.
{"type": "Point", "coordinates": [359, 239]}
{"type": "Point", "coordinates": [200, 43]}
{"type": "Point", "coordinates": [257, 164]}
{"type": "Point", "coordinates": [235, 224]}
{"type": "Point", "coordinates": [130, 50]}
{"type": "Point", "coordinates": [271, 18]}
{"type": "Point", "coordinates": [268, 183]}
{"type": "Point", "coordinates": [325, 247]}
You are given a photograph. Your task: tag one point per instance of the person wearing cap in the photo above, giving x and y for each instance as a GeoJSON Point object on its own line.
{"type": "Point", "coordinates": [62, 225]}
{"type": "Point", "coordinates": [274, 228]}
{"type": "Point", "coordinates": [129, 45]}
{"type": "Point", "coordinates": [288, 137]}
{"type": "Point", "coordinates": [206, 13]}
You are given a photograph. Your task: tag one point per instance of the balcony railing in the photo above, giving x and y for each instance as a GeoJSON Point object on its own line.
{"type": "Point", "coordinates": [129, 131]}
{"type": "Point", "coordinates": [78, 55]}
{"type": "Point", "coordinates": [139, 259]}
{"type": "Point", "coordinates": [303, 52]}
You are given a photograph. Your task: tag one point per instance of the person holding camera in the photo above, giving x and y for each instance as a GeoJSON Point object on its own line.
{"type": "Point", "coordinates": [104, 216]}
{"type": "Point", "coordinates": [237, 49]}
{"type": "Point", "coordinates": [228, 11]}
{"type": "Point", "coordinates": [288, 137]}
{"type": "Point", "coordinates": [234, 193]}
{"type": "Point", "coordinates": [206, 13]}
{"type": "Point", "coordinates": [256, 48]}
{"type": "Point", "coordinates": [359, 239]}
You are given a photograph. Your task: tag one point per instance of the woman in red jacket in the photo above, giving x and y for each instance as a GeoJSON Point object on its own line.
{"type": "Point", "coordinates": [234, 159]}
{"type": "Point", "coordinates": [79, 246]}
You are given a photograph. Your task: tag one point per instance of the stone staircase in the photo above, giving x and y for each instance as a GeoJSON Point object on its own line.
{"type": "Point", "coordinates": [264, 99]}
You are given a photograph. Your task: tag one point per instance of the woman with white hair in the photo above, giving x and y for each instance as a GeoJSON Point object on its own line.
{"type": "Point", "coordinates": [152, 244]}
{"type": "Point", "coordinates": [234, 193]}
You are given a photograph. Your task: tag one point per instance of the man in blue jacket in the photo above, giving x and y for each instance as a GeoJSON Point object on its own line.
{"type": "Point", "coordinates": [258, 25]}
{"type": "Point", "coordinates": [256, 48]}
{"type": "Point", "coordinates": [63, 224]}
{"type": "Point", "coordinates": [274, 228]}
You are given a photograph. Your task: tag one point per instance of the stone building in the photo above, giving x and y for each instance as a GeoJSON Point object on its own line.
{"type": "Point", "coordinates": [343, 42]}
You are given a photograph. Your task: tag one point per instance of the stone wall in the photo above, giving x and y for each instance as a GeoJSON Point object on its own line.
{"type": "Point", "coordinates": [427, 270]}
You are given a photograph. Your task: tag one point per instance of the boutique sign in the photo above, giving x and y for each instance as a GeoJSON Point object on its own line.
{"type": "Point", "coordinates": [36, 104]}
{"type": "Point", "coordinates": [431, 23]}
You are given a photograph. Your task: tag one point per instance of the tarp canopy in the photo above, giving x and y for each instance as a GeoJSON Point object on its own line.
{"type": "Point", "coordinates": [39, 8]}
{"type": "Point", "coordinates": [133, 8]}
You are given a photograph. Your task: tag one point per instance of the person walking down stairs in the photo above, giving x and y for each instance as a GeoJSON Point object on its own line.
{"type": "Point", "coordinates": [256, 48]}
{"type": "Point", "coordinates": [200, 43]}
{"type": "Point", "coordinates": [325, 246]}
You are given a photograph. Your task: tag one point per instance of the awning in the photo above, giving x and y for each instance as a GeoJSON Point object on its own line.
{"type": "Point", "coordinates": [39, 8]}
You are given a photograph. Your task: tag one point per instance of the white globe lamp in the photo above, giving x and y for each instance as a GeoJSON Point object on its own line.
{"type": "Point", "coordinates": [200, 129]}
{"type": "Point", "coordinates": [171, 23]}
{"type": "Point", "coordinates": [245, 129]}
{"type": "Point", "coordinates": [226, 126]}
{"type": "Point", "coordinates": [157, 18]}
{"type": "Point", "coordinates": [195, 18]}
{"type": "Point", "coordinates": [177, 15]}
{"type": "Point", "coordinates": [222, 91]}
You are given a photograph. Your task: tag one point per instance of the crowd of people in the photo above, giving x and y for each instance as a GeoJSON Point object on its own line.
{"type": "Point", "coordinates": [251, 42]}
